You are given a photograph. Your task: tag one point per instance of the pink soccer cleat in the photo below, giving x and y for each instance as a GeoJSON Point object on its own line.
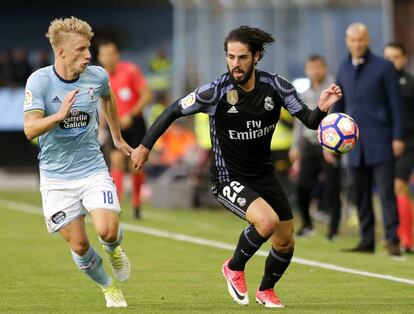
{"type": "Point", "coordinates": [236, 284]}
{"type": "Point", "coordinates": [268, 298]}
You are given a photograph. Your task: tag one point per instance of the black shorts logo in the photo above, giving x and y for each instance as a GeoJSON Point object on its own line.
{"type": "Point", "coordinates": [241, 201]}
{"type": "Point", "coordinates": [58, 217]}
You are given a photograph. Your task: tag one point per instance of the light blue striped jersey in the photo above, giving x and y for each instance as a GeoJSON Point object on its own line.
{"type": "Point", "coordinates": [71, 149]}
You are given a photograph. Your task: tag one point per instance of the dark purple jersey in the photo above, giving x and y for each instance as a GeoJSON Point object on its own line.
{"type": "Point", "coordinates": [241, 123]}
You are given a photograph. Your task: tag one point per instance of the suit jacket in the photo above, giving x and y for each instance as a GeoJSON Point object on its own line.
{"type": "Point", "coordinates": [372, 97]}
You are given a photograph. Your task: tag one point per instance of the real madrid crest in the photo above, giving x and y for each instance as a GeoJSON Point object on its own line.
{"type": "Point", "coordinates": [232, 97]}
{"type": "Point", "coordinates": [268, 103]}
{"type": "Point", "coordinates": [241, 201]}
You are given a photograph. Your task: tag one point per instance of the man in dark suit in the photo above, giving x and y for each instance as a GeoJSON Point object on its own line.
{"type": "Point", "coordinates": [372, 97]}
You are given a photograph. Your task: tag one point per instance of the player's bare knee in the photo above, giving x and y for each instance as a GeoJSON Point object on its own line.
{"type": "Point", "coordinates": [266, 226]}
{"type": "Point", "coordinates": [285, 245]}
{"type": "Point", "coordinates": [109, 233]}
{"type": "Point", "coordinates": [79, 247]}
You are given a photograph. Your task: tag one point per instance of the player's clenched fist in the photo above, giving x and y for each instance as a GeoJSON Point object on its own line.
{"type": "Point", "coordinates": [139, 156]}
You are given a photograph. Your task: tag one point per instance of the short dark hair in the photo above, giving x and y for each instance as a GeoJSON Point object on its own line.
{"type": "Point", "coordinates": [315, 57]}
{"type": "Point", "coordinates": [106, 41]}
{"type": "Point", "coordinates": [255, 38]}
{"type": "Point", "coordinates": [397, 45]}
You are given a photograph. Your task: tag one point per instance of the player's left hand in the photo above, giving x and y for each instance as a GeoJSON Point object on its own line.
{"type": "Point", "coordinates": [397, 147]}
{"type": "Point", "coordinates": [123, 146]}
{"type": "Point", "coordinates": [329, 96]}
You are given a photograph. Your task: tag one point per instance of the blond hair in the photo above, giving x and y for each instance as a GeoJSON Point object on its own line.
{"type": "Point", "coordinates": [59, 27]}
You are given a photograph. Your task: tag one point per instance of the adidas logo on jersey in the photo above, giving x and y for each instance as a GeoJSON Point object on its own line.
{"type": "Point", "coordinates": [56, 100]}
{"type": "Point", "coordinates": [232, 110]}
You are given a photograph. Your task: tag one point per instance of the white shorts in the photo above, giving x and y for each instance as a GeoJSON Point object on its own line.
{"type": "Point", "coordinates": [65, 200]}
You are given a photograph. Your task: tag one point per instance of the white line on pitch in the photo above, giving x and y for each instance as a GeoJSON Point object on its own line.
{"type": "Point", "coordinates": [17, 206]}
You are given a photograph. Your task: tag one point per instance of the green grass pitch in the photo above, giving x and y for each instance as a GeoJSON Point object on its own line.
{"type": "Point", "coordinates": [37, 274]}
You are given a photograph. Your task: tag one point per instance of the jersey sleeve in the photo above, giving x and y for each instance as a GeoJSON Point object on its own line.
{"type": "Point", "coordinates": [295, 105]}
{"type": "Point", "coordinates": [204, 99]}
{"type": "Point", "coordinates": [33, 94]}
{"type": "Point", "coordinates": [106, 88]}
{"type": "Point", "coordinates": [291, 100]}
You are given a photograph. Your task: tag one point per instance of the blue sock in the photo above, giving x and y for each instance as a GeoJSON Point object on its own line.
{"type": "Point", "coordinates": [111, 246]}
{"type": "Point", "coordinates": [91, 264]}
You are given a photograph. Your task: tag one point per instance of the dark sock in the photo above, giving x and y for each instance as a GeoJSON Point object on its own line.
{"type": "Point", "coordinates": [249, 242]}
{"type": "Point", "coordinates": [276, 264]}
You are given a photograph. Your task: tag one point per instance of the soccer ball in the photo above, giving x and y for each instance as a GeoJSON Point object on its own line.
{"type": "Point", "coordinates": [338, 133]}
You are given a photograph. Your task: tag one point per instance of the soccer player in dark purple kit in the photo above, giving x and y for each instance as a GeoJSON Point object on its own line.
{"type": "Point", "coordinates": [244, 106]}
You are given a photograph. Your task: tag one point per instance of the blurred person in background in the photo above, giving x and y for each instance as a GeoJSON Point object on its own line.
{"type": "Point", "coordinates": [61, 108]}
{"type": "Point", "coordinates": [397, 54]}
{"type": "Point", "coordinates": [200, 174]}
{"type": "Point", "coordinates": [373, 99]}
{"type": "Point", "coordinates": [20, 65]}
{"type": "Point", "coordinates": [313, 169]}
{"type": "Point", "coordinates": [162, 99]}
{"type": "Point", "coordinates": [243, 107]}
{"type": "Point", "coordinates": [160, 71]}
{"type": "Point", "coordinates": [160, 62]}
{"type": "Point", "coordinates": [178, 153]}
{"type": "Point", "coordinates": [132, 94]}
{"type": "Point", "coordinates": [280, 146]}
{"type": "Point", "coordinates": [42, 59]}
{"type": "Point", "coordinates": [6, 69]}
{"type": "Point", "coordinates": [171, 151]}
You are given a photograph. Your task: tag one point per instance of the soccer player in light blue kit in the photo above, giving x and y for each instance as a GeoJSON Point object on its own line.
{"type": "Point", "coordinates": [61, 108]}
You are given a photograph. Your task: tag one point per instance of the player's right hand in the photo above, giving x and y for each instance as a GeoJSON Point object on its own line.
{"type": "Point", "coordinates": [329, 97]}
{"type": "Point", "coordinates": [398, 147]}
{"type": "Point", "coordinates": [67, 103]}
{"type": "Point", "coordinates": [139, 156]}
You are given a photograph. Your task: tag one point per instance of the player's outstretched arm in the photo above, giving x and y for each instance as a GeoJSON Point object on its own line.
{"type": "Point", "coordinates": [111, 114]}
{"type": "Point", "coordinates": [312, 118]}
{"type": "Point", "coordinates": [165, 119]}
{"type": "Point", "coordinates": [35, 123]}
{"type": "Point", "coordinates": [329, 97]}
